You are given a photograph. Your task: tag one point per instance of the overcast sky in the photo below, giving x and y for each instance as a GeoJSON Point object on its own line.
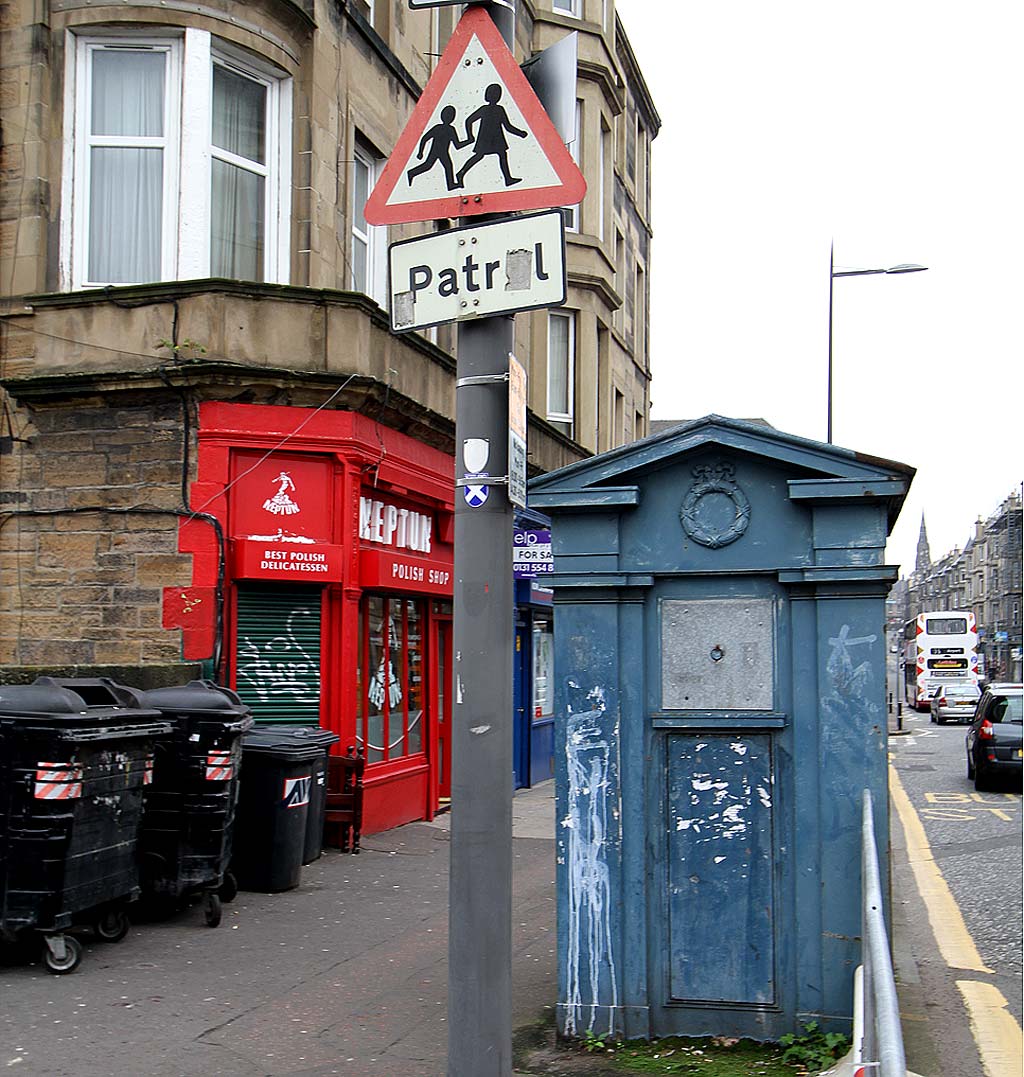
{"type": "Point", "coordinates": [893, 128]}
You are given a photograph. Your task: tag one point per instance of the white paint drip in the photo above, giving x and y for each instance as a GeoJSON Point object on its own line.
{"type": "Point", "coordinates": [720, 859]}
{"type": "Point", "coordinates": [739, 747]}
{"type": "Point", "coordinates": [476, 730]}
{"type": "Point", "coordinates": [458, 689]}
{"type": "Point", "coordinates": [589, 887]}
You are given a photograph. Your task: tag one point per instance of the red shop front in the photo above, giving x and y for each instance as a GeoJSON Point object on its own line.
{"type": "Point", "coordinates": [338, 606]}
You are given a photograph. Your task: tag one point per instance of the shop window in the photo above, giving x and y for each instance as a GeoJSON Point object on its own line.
{"type": "Point", "coordinates": [390, 684]}
{"type": "Point", "coordinates": [177, 158]}
{"type": "Point", "coordinates": [543, 670]}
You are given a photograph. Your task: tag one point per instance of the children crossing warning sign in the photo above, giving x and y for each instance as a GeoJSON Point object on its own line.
{"type": "Point", "coordinates": [478, 141]}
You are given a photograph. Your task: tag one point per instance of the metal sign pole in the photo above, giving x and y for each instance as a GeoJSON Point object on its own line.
{"type": "Point", "coordinates": [480, 874]}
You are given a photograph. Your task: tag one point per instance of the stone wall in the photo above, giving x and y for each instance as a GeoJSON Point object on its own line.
{"type": "Point", "coordinates": [83, 588]}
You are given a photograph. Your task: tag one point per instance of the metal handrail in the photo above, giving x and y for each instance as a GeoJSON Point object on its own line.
{"type": "Point", "coordinates": [882, 1043]}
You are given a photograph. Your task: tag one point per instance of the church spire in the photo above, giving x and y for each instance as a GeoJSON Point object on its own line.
{"type": "Point", "coordinates": [924, 556]}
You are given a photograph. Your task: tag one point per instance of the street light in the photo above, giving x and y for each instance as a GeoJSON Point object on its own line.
{"type": "Point", "coordinates": [832, 274]}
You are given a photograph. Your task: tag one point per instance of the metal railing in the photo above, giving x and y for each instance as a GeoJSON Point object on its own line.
{"type": "Point", "coordinates": [881, 1042]}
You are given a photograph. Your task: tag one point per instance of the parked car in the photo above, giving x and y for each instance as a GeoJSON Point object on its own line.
{"type": "Point", "coordinates": [994, 743]}
{"type": "Point", "coordinates": [954, 702]}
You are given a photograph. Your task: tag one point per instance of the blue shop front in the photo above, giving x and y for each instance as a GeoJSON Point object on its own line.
{"type": "Point", "coordinates": [719, 597]}
{"type": "Point", "coordinates": [533, 698]}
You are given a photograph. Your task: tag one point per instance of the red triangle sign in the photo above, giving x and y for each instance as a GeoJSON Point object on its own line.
{"type": "Point", "coordinates": [478, 141]}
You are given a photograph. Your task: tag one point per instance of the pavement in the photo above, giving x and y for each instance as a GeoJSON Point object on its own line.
{"type": "Point", "coordinates": [344, 975]}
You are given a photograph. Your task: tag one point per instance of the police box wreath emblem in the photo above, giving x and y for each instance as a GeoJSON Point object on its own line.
{"type": "Point", "coordinates": [715, 511]}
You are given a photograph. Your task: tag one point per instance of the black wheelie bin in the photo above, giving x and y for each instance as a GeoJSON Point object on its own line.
{"type": "Point", "coordinates": [73, 767]}
{"type": "Point", "coordinates": [189, 808]}
{"type": "Point", "coordinates": [273, 808]}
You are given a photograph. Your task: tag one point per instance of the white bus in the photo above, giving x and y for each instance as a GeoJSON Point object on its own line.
{"type": "Point", "coordinates": [940, 648]}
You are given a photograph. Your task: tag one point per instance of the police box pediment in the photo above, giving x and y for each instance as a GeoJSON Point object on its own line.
{"type": "Point", "coordinates": [815, 470]}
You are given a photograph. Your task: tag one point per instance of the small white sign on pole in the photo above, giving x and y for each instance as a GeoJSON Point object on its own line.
{"type": "Point", "coordinates": [483, 269]}
{"type": "Point", "coordinates": [516, 432]}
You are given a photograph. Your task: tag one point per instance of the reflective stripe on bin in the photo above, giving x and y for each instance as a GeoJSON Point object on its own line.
{"type": "Point", "coordinates": [147, 774]}
{"type": "Point", "coordinates": [219, 767]}
{"type": "Point", "coordinates": [297, 790]}
{"type": "Point", "coordinates": [58, 781]}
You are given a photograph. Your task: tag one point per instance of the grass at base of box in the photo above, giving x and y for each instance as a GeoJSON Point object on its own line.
{"type": "Point", "coordinates": [713, 1057]}
{"type": "Point", "coordinates": [717, 1056]}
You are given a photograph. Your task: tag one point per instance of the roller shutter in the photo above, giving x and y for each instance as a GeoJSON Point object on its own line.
{"type": "Point", "coordinates": [277, 652]}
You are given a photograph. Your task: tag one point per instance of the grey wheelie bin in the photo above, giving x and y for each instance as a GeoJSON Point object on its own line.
{"type": "Point", "coordinates": [189, 808]}
{"type": "Point", "coordinates": [73, 767]}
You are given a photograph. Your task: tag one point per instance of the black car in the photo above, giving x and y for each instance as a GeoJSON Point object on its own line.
{"type": "Point", "coordinates": [994, 744]}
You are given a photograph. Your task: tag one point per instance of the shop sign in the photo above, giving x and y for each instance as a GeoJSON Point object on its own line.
{"type": "Point", "coordinates": [309, 562]}
{"type": "Point", "coordinates": [531, 553]}
{"type": "Point", "coordinates": [388, 571]}
{"type": "Point", "coordinates": [388, 525]}
{"type": "Point", "coordinates": [280, 498]}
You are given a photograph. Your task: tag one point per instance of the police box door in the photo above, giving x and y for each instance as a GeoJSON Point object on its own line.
{"type": "Point", "coordinates": [716, 917]}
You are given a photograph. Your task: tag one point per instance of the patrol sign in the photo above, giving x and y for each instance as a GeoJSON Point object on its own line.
{"type": "Point", "coordinates": [482, 269]}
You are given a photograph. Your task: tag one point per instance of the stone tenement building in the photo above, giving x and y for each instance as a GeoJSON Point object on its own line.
{"type": "Point", "coordinates": [984, 577]}
{"type": "Point", "coordinates": [215, 454]}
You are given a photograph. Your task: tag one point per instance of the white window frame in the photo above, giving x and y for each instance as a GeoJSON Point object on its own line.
{"type": "Point", "coordinates": [374, 237]}
{"type": "Point", "coordinates": [574, 214]}
{"type": "Point", "coordinates": [188, 153]}
{"type": "Point", "coordinates": [565, 417]}
{"type": "Point", "coordinates": [572, 8]}
{"type": "Point", "coordinates": [603, 170]}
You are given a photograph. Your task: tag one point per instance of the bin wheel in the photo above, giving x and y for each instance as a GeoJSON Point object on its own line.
{"type": "Point", "coordinates": [113, 925]}
{"type": "Point", "coordinates": [229, 888]}
{"type": "Point", "coordinates": [69, 962]}
{"type": "Point", "coordinates": [212, 909]}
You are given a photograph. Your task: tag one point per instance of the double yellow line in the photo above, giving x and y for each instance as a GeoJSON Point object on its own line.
{"type": "Point", "coordinates": [995, 1031]}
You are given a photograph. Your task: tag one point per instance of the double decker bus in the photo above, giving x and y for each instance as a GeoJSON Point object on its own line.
{"type": "Point", "coordinates": [940, 648]}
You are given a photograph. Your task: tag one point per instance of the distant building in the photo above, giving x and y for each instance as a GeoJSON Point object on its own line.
{"type": "Point", "coordinates": [984, 577]}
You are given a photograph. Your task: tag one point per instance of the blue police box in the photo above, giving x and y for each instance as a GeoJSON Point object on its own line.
{"type": "Point", "coordinates": [719, 597]}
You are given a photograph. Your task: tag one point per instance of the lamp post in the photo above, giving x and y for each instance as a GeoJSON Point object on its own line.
{"type": "Point", "coordinates": [832, 274]}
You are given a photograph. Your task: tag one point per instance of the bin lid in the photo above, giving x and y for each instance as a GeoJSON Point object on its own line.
{"type": "Point", "coordinates": [306, 734]}
{"type": "Point", "coordinates": [50, 703]}
{"type": "Point", "coordinates": [196, 698]}
{"type": "Point", "coordinates": [281, 743]}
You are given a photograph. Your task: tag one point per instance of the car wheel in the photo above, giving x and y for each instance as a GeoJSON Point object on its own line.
{"type": "Point", "coordinates": [982, 782]}
{"type": "Point", "coordinates": [931, 717]}
{"type": "Point", "coordinates": [970, 767]}
{"type": "Point", "coordinates": [940, 720]}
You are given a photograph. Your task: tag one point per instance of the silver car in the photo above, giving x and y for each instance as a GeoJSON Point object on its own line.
{"type": "Point", "coordinates": [954, 703]}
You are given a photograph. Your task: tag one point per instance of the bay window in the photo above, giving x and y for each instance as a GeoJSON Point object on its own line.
{"type": "Point", "coordinates": [176, 162]}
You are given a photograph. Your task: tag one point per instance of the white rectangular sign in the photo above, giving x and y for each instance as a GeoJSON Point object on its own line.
{"type": "Point", "coordinates": [513, 264]}
{"type": "Point", "coordinates": [516, 431]}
